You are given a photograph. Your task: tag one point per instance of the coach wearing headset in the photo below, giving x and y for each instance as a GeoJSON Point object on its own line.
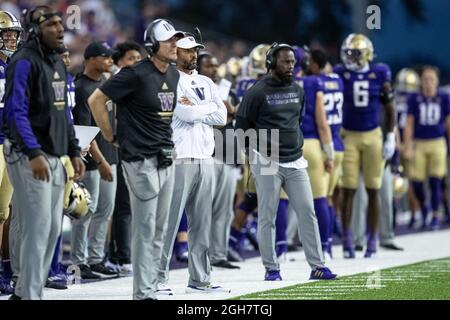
{"type": "Point", "coordinates": [275, 104]}
{"type": "Point", "coordinates": [38, 131]}
{"type": "Point", "coordinates": [145, 94]}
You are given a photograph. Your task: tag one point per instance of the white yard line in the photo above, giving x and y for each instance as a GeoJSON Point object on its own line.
{"type": "Point", "coordinates": [249, 279]}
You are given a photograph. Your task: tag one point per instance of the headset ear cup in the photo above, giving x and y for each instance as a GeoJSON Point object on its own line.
{"type": "Point", "coordinates": [150, 43]}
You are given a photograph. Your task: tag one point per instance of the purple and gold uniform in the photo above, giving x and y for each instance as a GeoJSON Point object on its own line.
{"type": "Point", "coordinates": [312, 152]}
{"type": "Point", "coordinates": [430, 147]}
{"type": "Point", "coordinates": [6, 189]}
{"type": "Point", "coordinates": [363, 139]}
{"type": "Point", "coordinates": [333, 100]}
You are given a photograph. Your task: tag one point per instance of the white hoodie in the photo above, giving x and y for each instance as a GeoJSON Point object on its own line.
{"type": "Point", "coordinates": [192, 126]}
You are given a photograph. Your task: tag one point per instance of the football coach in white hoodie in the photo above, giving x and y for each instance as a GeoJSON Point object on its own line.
{"type": "Point", "coordinates": [198, 108]}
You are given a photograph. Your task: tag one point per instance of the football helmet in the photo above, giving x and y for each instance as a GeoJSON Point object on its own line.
{"type": "Point", "coordinates": [407, 80]}
{"type": "Point", "coordinates": [399, 183]}
{"type": "Point", "coordinates": [8, 22]}
{"type": "Point", "coordinates": [356, 51]}
{"type": "Point", "coordinates": [234, 66]}
{"type": "Point", "coordinates": [78, 202]}
{"type": "Point", "coordinates": [257, 66]}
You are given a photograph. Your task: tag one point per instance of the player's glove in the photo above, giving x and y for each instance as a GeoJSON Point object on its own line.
{"type": "Point", "coordinates": [389, 146]}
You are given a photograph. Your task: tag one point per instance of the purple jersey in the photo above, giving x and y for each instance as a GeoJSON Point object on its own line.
{"type": "Point", "coordinates": [3, 66]}
{"type": "Point", "coordinates": [362, 92]}
{"type": "Point", "coordinates": [429, 114]}
{"type": "Point", "coordinates": [401, 108]}
{"type": "Point", "coordinates": [243, 85]}
{"type": "Point", "coordinates": [311, 86]}
{"type": "Point", "coordinates": [333, 99]}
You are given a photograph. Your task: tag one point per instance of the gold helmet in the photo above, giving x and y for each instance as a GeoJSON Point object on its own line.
{"type": "Point", "coordinates": [356, 51]}
{"type": "Point", "coordinates": [257, 56]}
{"type": "Point", "coordinates": [8, 22]}
{"type": "Point", "coordinates": [79, 200]}
{"type": "Point", "coordinates": [399, 183]}
{"type": "Point", "coordinates": [407, 80]}
{"type": "Point", "coordinates": [222, 70]}
{"type": "Point", "coordinates": [234, 66]}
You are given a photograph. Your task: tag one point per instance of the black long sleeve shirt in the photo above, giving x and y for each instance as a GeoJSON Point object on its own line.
{"type": "Point", "coordinates": [272, 105]}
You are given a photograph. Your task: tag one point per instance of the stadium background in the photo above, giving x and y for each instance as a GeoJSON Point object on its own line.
{"type": "Point", "coordinates": [413, 32]}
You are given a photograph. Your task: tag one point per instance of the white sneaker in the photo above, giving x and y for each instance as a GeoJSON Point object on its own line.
{"type": "Point", "coordinates": [163, 290]}
{"type": "Point", "coordinates": [125, 269]}
{"type": "Point", "coordinates": [207, 289]}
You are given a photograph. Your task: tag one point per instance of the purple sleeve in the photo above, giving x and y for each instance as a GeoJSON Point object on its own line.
{"type": "Point", "coordinates": [319, 85]}
{"type": "Point", "coordinates": [17, 106]}
{"type": "Point", "coordinates": [385, 73]}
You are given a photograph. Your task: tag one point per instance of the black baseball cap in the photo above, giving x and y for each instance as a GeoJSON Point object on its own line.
{"type": "Point", "coordinates": [97, 49]}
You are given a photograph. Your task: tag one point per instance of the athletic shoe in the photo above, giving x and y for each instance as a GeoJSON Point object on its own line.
{"type": "Point", "coordinates": [14, 297]}
{"type": "Point", "coordinates": [55, 285]}
{"type": "Point", "coordinates": [371, 247]}
{"type": "Point", "coordinates": [370, 253]}
{"type": "Point", "coordinates": [435, 223]}
{"type": "Point", "coordinates": [87, 274]}
{"type": "Point", "coordinates": [125, 269]}
{"type": "Point", "coordinates": [224, 264]}
{"type": "Point", "coordinates": [163, 290]}
{"type": "Point", "coordinates": [347, 243]}
{"type": "Point", "coordinates": [391, 246]}
{"type": "Point", "coordinates": [102, 271]}
{"type": "Point", "coordinates": [206, 289]}
{"type": "Point", "coordinates": [327, 253]}
{"type": "Point", "coordinates": [5, 286]}
{"type": "Point", "coordinates": [322, 274]}
{"type": "Point", "coordinates": [412, 223]}
{"type": "Point", "coordinates": [349, 253]}
{"type": "Point", "coordinates": [359, 247]}
{"type": "Point", "coordinates": [234, 256]}
{"type": "Point", "coordinates": [272, 275]}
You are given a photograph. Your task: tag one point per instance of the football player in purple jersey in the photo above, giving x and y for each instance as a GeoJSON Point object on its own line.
{"type": "Point", "coordinates": [367, 90]}
{"type": "Point", "coordinates": [333, 99]}
{"type": "Point", "coordinates": [424, 140]}
{"type": "Point", "coordinates": [318, 143]}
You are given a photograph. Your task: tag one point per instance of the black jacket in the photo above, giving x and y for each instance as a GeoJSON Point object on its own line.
{"type": "Point", "coordinates": [36, 116]}
{"type": "Point", "coordinates": [271, 105]}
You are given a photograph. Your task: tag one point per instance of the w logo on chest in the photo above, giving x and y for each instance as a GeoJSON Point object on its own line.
{"type": "Point", "coordinates": [200, 92]}
{"type": "Point", "coordinates": [166, 99]}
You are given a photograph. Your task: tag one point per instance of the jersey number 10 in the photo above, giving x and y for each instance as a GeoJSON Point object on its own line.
{"type": "Point", "coordinates": [430, 114]}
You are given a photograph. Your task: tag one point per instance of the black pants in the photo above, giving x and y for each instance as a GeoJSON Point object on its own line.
{"type": "Point", "coordinates": [119, 247]}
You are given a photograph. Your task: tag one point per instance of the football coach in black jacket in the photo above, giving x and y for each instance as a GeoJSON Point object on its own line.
{"type": "Point", "coordinates": [38, 131]}
{"type": "Point", "coordinates": [273, 109]}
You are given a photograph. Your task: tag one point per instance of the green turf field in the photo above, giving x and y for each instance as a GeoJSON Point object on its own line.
{"type": "Point", "coordinates": [426, 280]}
